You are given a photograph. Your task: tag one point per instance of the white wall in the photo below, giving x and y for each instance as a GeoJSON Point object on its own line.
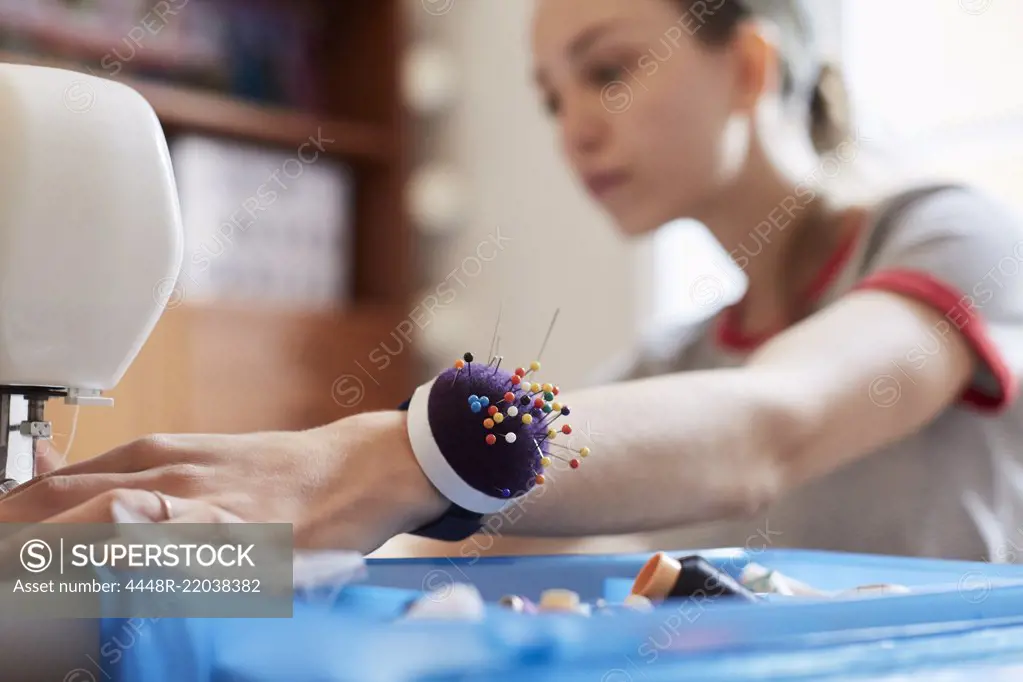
{"type": "Point", "coordinates": [919, 67]}
{"type": "Point", "coordinates": [563, 250]}
{"type": "Point", "coordinates": [937, 86]}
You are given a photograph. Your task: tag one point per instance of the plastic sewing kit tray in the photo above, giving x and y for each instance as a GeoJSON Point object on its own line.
{"type": "Point", "coordinates": [959, 619]}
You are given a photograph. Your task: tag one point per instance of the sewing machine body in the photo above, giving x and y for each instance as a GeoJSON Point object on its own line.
{"type": "Point", "coordinates": [90, 237]}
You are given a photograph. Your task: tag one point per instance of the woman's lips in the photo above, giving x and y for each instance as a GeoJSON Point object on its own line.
{"type": "Point", "coordinates": [602, 184]}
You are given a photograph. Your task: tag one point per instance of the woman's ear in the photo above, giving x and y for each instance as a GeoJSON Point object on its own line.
{"type": "Point", "coordinates": [756, 61]}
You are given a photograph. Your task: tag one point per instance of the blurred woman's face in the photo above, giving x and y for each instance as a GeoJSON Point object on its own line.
{"type": "Point", "coordinates": [641, 105]}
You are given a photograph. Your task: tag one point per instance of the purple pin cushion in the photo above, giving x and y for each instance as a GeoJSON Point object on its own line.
{"type": "Point", "coordinates": [481, 434]}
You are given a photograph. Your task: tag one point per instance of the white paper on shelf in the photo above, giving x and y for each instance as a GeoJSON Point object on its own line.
{"type": "Point", "coordinates": [264, 225]}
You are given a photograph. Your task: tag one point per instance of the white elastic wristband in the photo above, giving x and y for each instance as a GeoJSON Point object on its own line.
{"type": "Point", "coordinates": [436, 466]}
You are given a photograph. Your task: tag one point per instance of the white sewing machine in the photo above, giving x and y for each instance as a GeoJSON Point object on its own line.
{"type": "Point", "coordinates": [90, 245]}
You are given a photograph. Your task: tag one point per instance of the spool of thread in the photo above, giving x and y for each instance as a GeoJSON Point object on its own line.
{"type": "Point", "coordinates": [663, 577]}
{"type": "Point", "coordinates": [558, 600]}
{"type": "Point", "coordinates": [451, 602]}
{"type": "Point", "coordinates": [632, 604]}
{"type": "Point", "coordinates": [763, 580]}
{"type": "Point", "coordinates": [638, 602]}
{"type": "Point", "coordinates": [513, 602]}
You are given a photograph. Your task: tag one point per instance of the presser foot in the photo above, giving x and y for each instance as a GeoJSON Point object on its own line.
{"type": "Point", "coordinates": [19, 437]}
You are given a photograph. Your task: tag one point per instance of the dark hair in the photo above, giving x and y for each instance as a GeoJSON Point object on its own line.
{"type": "Point", "coordinates": [828, 105]}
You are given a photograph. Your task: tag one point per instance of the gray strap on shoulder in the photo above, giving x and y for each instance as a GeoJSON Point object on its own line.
{"type": "Point", "coordinates": [891, 211]}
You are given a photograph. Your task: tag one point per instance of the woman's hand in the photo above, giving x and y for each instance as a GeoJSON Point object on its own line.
{"type": "Point", "coordinates": [352, 484]}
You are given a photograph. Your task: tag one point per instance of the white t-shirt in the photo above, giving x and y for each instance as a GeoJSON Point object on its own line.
{"type": "Point", "coordinates": [954, 489]}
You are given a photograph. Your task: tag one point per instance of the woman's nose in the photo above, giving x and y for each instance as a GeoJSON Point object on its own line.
{"type": "Point", "coordinates": [584, 127]}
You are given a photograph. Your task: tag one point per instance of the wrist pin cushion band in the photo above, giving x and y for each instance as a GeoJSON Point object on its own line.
{"type": "Point", "coordinates": [485, 436]}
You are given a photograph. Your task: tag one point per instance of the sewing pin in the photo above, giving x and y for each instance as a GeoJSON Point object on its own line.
{"type": "Point", "coordinates": [496, 339]}
{"type": "Point", "coordinates": [545, 458]}
{"type": "Point", "coordinates": [545, 340]}
{"type": "Point", "coordinates": [583, 452]}
{"type": "Point", "coordinates": [557, 410]}
{"type": "Point", "coordinates": [549, 436]}
{"type": "Point", "coordinates": [516, 377]}
{"type": "Point", "coordinates": [497, 356]}
{"type": "Point", "coordinates": [459, 364]}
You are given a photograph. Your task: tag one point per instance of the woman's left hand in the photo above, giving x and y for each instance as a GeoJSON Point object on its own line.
{"type": "Point", "coordinates": [352, 484]}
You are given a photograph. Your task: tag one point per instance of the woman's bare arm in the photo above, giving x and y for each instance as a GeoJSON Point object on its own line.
{"type": "Point", "coordinates": [700, 446]}
{"type": "Point", "coordinates": [669, 451]}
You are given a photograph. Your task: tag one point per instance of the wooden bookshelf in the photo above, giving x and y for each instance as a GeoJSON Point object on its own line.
{"type": "Point", "coordinates": [219, 368]}
{"type": "Point", "coordinates": [199, 111]}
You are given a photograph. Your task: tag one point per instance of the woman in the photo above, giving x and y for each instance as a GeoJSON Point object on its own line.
{"type": "Point", "coordinates": [860, 397]}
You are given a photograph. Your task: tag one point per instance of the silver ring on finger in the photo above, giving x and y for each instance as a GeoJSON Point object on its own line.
{"type": "Point", "coordinates": [165, 504]}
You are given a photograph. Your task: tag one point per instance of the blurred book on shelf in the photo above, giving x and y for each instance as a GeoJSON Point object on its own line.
{"type": "Point", "coordinates": [263, 51]}
{"type": "Point", "coordinates": [263, 227]}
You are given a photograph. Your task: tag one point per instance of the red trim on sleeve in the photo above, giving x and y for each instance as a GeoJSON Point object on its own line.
{"type": "Point", "coordinates": [730, 335]}
{"type": "Point", "coordinates": [948, 300]}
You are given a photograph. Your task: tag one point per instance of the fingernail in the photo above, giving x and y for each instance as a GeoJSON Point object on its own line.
{"type": "Point", "coordinates": [124, 514]}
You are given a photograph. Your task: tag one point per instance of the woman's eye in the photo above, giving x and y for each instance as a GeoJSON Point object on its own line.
{"type": "Point", "coordinates": [552, 104]}
{"type": "Point", "coordinates": [604, 74]}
